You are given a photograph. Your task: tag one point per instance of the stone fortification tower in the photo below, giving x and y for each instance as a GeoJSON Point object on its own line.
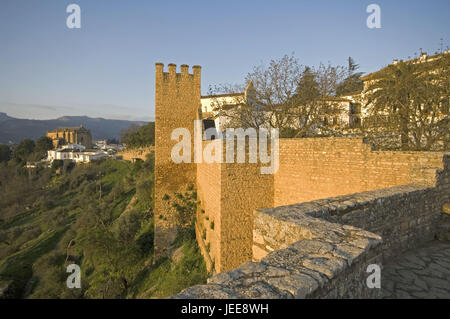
{"type": "Point", "coordinates": [177, 101]}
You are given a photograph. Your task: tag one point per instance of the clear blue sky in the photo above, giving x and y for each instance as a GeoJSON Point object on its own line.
{"type": "Point", "coordinates": [106, 68]}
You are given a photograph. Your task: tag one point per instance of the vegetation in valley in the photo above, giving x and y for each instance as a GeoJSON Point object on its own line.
{"type": "Point", "coordinates": [138, 136]}
{"type": "Point", "coordinates": [98, 216]}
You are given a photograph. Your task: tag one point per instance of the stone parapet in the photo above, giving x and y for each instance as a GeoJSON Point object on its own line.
{"type": "Point", "coordinates": [330, 261]}
{"type": "Point", "coordinates": [404, 216]}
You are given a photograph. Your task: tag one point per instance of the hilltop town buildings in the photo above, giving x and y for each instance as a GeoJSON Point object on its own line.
{"type": "Point", "coordinates": [103, 145]}
{"type": "Point", "coordinates": [76, 153]}
{"type": "Point", "coordinates": [373, 77]}
{"type": "Point", "coordinates": [71, 135]}
{"type": "Point", "coordinates": [75, 144]}
{"type": "Point", "coordinates": [352, 109]}
{"type": "Point", "coordinates": [223, 108]}
{"type": "Point", "coordinates": [227, 103]}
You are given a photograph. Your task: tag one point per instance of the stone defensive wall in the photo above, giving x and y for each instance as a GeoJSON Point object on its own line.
{"type": "Point", "coordinates": [177, 100]}
{"type": "Point", "coordinates": [131, 154]}
{"type": "Point", "coordinates": [311, 229]}
{"type": "Point", "coordinates": [315, 168]}
{"type": "Point", "coordinates": [331, 264]}
{"type": "Point", "coordinates": [333, 207]}
{"type": "Point", "coordinates": [228, 195]}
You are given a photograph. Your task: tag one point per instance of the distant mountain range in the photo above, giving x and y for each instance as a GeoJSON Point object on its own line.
{"type": "Point", "coordinates": [13, 130]}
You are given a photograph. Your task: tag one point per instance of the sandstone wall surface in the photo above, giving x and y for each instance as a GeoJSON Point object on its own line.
{"type": "Point", "coordinates": [229, 193]}
{"type": "Point", "coordinates": [316, 168]}
{"type": "Point", "coordinates": [312, 169]}
{"type": "Point", "coordinates": [404, 216]}
{"type": "Point", "coordinates": [330, 261]}
{"type": "Point", "coordinates": [318, 247]}
{"type": "Point", "coordinates": [130, 154]}
{"type": "Point", "coordinates": [177, 100]}
{"type": "Point", "coordinates": [209, 189]}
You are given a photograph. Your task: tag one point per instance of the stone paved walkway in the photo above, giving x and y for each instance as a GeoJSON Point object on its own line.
{"type": "Point", "coordinates": [419, 274]}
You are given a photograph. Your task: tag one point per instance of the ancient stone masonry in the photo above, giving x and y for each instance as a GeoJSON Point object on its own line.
{"type": "Point", "coordinates": [316, 168]}
{"type": "Point", "coordinates": [444, 226]}
{"type": "Point", "coordinates": [313, 169]}
{"type": "Point", "coordinates": [319, 259]}
{"type": "Point", "coordinates": [404, 216]}
{"type": "Point", "coordinates": [177, 100]}
{"type": "Point", "coordinates": [229, 193]}
{"type": "Point", "coordinates": [70, 135]}
{"type": "Point", "coordinates": [321, 248]}
{"type": "Point", "coordinates": [138, 153]}
{"type": "Point", "coordinates": [420, 273]}
{"type": "Point", "coordinates": [310, 230]}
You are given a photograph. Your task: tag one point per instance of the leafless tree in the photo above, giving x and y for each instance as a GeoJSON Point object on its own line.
{"type": "Point", "coordinates": [283, 94]}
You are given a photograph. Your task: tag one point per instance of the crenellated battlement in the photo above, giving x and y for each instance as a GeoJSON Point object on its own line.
{"type": "Point", "coordinates": [336, 197]}
{"type": "Point", "coordinates": [183, 74]}
{"type": "Point", "coordinates": [177, 100]}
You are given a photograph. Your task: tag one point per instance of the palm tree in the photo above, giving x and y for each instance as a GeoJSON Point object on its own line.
{"type": "Point", "coordinates": [409, 100]}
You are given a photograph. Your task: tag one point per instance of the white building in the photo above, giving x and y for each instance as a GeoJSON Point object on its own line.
{"type": "Point", "coordinates": [103, 145]}
{"type": "Point", "coordinates": [348, 111]}
{"type": "Point", "coordinates": [75, 155]}
{"type": "Point", "coordinates": [225, 102]}
{"type": "Point", "coordinates": [349, 107]}
{"type": "Point", "coordinates": [78, 147]}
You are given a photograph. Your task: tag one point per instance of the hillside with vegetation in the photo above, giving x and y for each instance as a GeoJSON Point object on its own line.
{"type": "Point", "coordinates": [98, 216]}
{"type": "Point", "coordinates": [136, 136]}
